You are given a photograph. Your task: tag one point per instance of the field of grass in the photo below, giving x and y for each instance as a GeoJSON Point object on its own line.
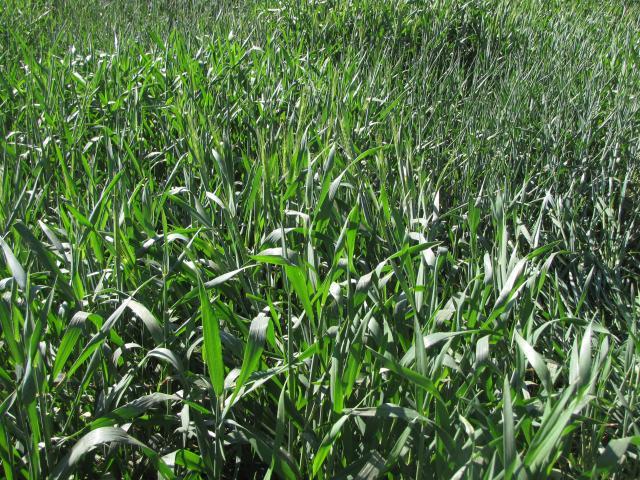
{"type": "Point", "coordinates": [339, 239]}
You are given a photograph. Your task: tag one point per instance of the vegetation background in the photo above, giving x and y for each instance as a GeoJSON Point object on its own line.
{"type": "Point", "coordinates": [336, 239]}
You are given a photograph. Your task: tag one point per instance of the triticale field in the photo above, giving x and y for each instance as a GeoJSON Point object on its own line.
{"type": "Point", "coordinates": [319, 239]}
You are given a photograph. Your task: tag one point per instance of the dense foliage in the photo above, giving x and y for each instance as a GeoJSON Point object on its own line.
{"type": "Point", "coordinates": [341, 239]}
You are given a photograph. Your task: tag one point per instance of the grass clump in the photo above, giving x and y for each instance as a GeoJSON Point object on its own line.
{"type": "Point", "coordinates": [319, 239]}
